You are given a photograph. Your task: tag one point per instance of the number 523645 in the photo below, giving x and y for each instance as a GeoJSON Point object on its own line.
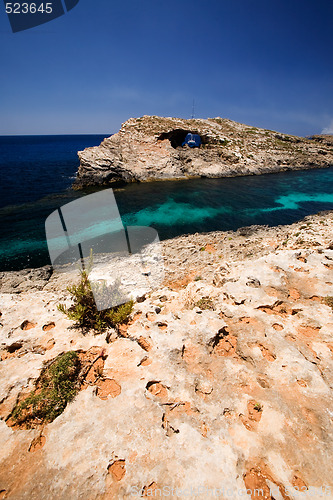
{"type": "Point", "coordinates": [26, 8]}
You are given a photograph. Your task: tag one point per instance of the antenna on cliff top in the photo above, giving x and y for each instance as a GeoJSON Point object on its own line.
{"type": "Point", "coordinates": [192, 110]}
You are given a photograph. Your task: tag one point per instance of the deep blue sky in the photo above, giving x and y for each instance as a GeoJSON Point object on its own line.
{"type": "Point", "coordinates": [267, 63]}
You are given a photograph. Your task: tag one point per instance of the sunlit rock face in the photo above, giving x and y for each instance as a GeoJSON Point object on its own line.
{"type": "Point", "coordinates": [150, 148]}
{"type": "Point", "coordinates": [222, 378]}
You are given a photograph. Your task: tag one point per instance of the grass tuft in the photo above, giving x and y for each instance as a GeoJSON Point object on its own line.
{"type": "Point", "coordinates": [55, 388]}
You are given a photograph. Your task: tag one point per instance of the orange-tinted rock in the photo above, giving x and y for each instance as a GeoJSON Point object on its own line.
{"type": "Point", "coordinates": [157, 389]}
{"type": "Point", "coordinates": [263, 382]}
{"type": "Point", "coordinates": [50, 343]}
{"type": "Point", "coordinates": [254, 414]}
{"type": "Point", "coordinates": [272, 292]}
{"type": "Point", "coordinates": [117, 469]}
{"type": "Point", "coordinates": [308, 331]}
{"type": "Point", "coordinates": [294, 294]}
{"type": "Point", "coordinates": [226, 346]}
{"type": "Point", "coordinates": [248, 321]}
{"type": "Point", "coordinates": [145, 343]}
{"type": "Point", "coordinates": [48, 326]}
{"type": "Point", "coordinates": [146, 361]}
{"type": "Point", "coordinates": [108, 387]}
{"type": "Point", "coordinates": [255, 483]}
{"type": "Point", "coordinates": [95, 371]}
{"type": "Point", "coordinates": [301, 270]}
{"type": "Point", "coordinates": [27, 325]}
{"type": "Point", "coordinates": [204, 429]}
{"type": "Point", "coordinates": [150, 490]}
{"type": "Point", "coordinates": [316, 298]}
{"type": "Point", "coordinates": [181, 283]}
{"type": "Point", "coordinates": [266, 352]}
{"type": "Point", "coordinates": [122, 330]}
{"type": "Point", "coordinates": [210, 248]}
{"type": "Point", "coordinates": [279, 308]}
{"type": "Point", "coordinates": [298, 483]}
{"type": "Point", "coordinates": [11, 351]}
{"type": "Point", "coordinates": [37, 443]}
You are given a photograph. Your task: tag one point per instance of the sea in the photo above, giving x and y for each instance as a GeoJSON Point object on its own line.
{"type": "Point", "coordinates": [37, 173]}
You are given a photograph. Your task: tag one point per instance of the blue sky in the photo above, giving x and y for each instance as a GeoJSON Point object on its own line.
{"type": "Point", "coordinates": [264, 63]}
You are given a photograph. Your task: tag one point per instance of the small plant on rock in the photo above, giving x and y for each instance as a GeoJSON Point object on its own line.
{"type": "Point", "coordinates": [205, 303]}
{"type": "Point", "coordinates": [84, 311]}
{"type": "Point", "coordinates": [328, 301]}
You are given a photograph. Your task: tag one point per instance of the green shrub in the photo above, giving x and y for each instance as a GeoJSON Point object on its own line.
{"type": "Point", "coordinates": [205, 303]}
{"type": "Point", "coordinates": [328, 301]}
{"type": "Point", "coordinates": [55, 388]}
{"type": "Point", "coordinates": [84, 311]}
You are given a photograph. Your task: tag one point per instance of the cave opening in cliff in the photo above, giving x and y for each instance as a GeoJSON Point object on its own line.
{"type": "Point", "coordinates": [178, 136]}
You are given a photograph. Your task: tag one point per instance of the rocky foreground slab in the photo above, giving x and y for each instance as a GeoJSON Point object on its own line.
{"type": "Point", "coordinates": [150, 148]}
{"type": "Point", "coordinates": [221, 382]}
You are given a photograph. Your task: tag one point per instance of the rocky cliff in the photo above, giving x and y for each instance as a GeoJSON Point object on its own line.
{"type": "Point", "coordinates": [222, 381]}
{"type": "Point", "coordinates": [150, 148]}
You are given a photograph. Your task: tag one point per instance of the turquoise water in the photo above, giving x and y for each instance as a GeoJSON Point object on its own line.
{"type": "Point", "coordinates": [222, 204]}
{"type": "Point", "coordinates": [171, 207]}
{"type": "Point", "coordinates": [173, 212]}
{"type": "Point", "coordinates": [175, 208]}
{"type": "Point", "coordinates": [293, 201]}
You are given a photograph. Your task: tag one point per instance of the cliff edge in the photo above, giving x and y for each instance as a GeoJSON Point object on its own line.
{"type": "Point", "coordinates": [150, 148]}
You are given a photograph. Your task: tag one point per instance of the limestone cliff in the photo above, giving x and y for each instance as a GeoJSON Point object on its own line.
{"type": "Point", "coordinates": [150, 148]}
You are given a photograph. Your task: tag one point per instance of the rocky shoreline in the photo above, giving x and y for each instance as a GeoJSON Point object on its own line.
{"type": "Point", "coordinates": [150, 148]}
{"type": "Point", "coordinates": [222, 379]}
{"type": "Point", "coordinates": [182, 258]}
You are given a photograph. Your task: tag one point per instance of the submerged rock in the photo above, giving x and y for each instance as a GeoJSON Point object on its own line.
{"type": "Point", "coordinates": [150, 148]}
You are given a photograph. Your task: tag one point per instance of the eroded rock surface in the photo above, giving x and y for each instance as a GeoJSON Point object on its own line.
{"type": "Point", "coordinates": [150, 148]}
{"type": "Point", "coordinates": [26, 279]}
{"type": "Point", "coordinates": [222, 379]}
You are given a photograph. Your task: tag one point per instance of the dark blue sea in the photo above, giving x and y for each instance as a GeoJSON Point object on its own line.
{"type": "Point", "coordinates": [37, 173]}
